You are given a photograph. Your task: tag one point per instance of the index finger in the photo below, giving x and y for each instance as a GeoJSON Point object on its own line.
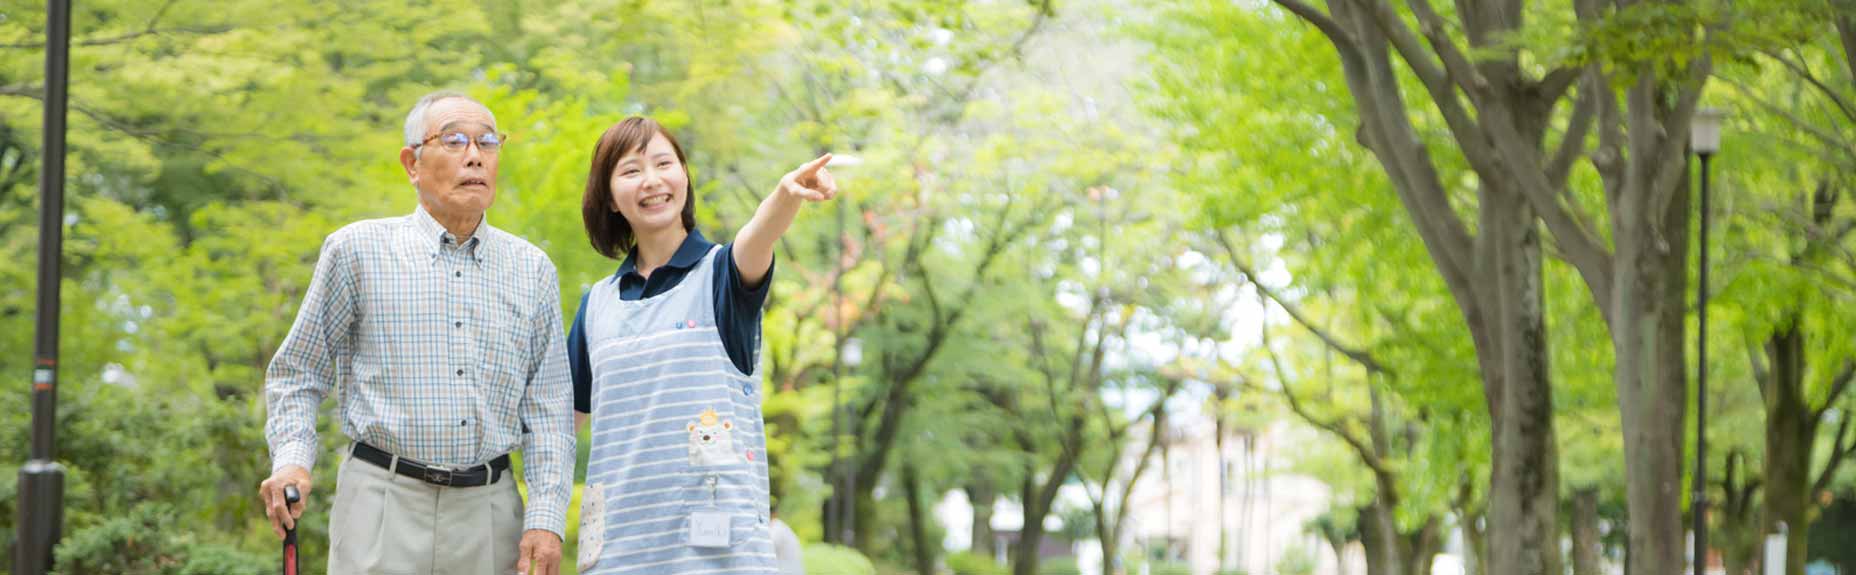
{"type": "Point", "coordinates": [813, 166]}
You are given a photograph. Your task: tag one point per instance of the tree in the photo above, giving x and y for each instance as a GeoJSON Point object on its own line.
{"type": "Point", "coordinates": [1338, 529]}
{"type": "Point", "coordinates": [1498, 108]}
{"type": "Point", "coordinates": [1788, 269]}
{"type": "Point", "coordinates": [1455, 253]}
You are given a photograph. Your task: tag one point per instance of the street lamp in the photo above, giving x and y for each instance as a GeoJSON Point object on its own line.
{"type": "Point", "coordinates": [1704, 140]}
{"type": "Point", "coordinates": [835, 505]}
{"type": "Point", "coordinates": [41, 479]}
{"type": "Point", "coordinates": [840, 518]}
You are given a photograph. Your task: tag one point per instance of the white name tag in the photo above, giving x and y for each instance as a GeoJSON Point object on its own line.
{"type": "Point", "coordinates": [709, 529]}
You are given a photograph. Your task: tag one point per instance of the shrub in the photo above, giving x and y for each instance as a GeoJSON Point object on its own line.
{"type": "Point", "coordinates": [1059, 566]}
{"type": "Point", "coordinates": [827, 559]}
{"type": "Point", "coordinates": [974, 564]}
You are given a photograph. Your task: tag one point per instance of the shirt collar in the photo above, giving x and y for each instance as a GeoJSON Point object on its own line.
{"type": "Point", "coordinates": [693, 249]}
{"type": "Point", "coordinates": [437, 237]}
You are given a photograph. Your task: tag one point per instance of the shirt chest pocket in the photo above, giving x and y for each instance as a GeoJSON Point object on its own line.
{"type": "Point", "coordinates": [505, 335]}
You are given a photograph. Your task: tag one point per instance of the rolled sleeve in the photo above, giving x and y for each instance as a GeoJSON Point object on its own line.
{"type": "Point", "coordinates": [737, 309]}
{"type": "Point", "coordinates": [306, 365]}
{"type": "Point", "coordinates": [547, 417]}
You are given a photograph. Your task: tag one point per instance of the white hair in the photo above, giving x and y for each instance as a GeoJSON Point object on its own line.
{"type": "Point", "coordinates": [415, 119]}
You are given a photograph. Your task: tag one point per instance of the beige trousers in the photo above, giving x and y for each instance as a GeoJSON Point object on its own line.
{"type": "Point", "coordinates": [388, 524]}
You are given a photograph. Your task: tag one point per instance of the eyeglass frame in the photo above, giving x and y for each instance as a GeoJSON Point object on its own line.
{"type": "Point", "coordinates": [501, 139]}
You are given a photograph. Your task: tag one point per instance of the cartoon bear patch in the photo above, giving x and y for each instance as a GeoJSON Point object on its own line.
{"type": "Point", "coordinates": [712, 441]}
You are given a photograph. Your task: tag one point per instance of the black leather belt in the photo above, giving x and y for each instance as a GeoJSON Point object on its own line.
{"type": "Point", "coordinates": [436, 475]}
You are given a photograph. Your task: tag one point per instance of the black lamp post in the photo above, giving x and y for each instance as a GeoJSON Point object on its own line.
{"type": "Point", "coordinates": [841, 507]}
{"type": "Point", "coordinates": [41, 479]}
{"type": "Point", "coordinates": [1704, 140]}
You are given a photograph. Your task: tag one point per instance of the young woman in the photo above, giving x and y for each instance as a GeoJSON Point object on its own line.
{"type": "Point", "coordinates": [663, 355]}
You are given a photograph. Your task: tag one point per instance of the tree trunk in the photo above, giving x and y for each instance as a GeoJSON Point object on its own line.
{"type": "Point", "coordinates": [982, 493]}
{"type": "Point", "coordinates": [1224, 480]}
{"type": "Point", "coordinates": [1846, 31]}
{"type": "Point", "coordinates": [1736, 532]}
{"type": "Point", "coordinates": [1380, 541]}
{"type": "Point", "coordinates": [1647, 336]}
{"type": "Point", "coordinates": [1385, 504]}
{"type": "Point", "coordinates": [1419, 548]}
{"type": "Point", "coordinates": [1108, 537]}
{"type": "Point", "coordinates": [1391, 552]}
{"type": "Point", "coordinates": [864, 515]}
{"type": "Point", "coordinates": [1031, 536]}
{"type": "Point", "coordinates": [1735, 560]}
{"type": "Point", "coordinates": [1478, 541]}
{"type": "Point", "coordinates": [1340, 556]}
{"type": "Point", "coordinates": [1585, 546]}
{"type": "Point", "coordinates": [1038, 500]}
{"type": "Point", "coordinates": [1791, 434]}
{"type": "Point", "coordinates": [1524, 480]}
{"type": "Point", "coordinates": [827, 510]}
{"type": "Point", "coordinates": [918, 521]}
{"type": "Point", "coordinates": [872, 456]}
{"type": "Point", "coordinates": [1628, 561]}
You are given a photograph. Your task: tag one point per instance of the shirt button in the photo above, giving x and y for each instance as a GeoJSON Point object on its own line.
{"type": "Point", "coordinates": [458, 324]}
{"type": "Point", "coordinates": [463, 422]}
{"type": "Point", "coordinates": [458, 274]}
{"type": "Point", "coordinates": [460, 373]}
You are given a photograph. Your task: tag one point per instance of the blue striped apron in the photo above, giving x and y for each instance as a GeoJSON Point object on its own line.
{"type": "Point", "coordinates": [677, 435]}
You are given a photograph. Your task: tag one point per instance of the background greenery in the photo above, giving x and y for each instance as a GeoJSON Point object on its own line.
{"type": "Point", "coordinates": [1070, 222]}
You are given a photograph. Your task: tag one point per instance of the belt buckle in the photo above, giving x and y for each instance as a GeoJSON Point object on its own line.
{"type": "Point", "coordinates": [438, 475]}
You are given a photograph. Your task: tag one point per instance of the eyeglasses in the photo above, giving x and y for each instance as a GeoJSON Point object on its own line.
{"type": "Point", "coordinates": [455, 141]}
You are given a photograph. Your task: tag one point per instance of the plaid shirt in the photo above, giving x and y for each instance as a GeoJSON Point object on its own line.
{"type": "Point", "coordinates": [447, 354]}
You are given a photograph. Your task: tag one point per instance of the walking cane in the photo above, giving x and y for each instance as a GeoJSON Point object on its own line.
{"type": "Point", "coordinates": [290, 498]}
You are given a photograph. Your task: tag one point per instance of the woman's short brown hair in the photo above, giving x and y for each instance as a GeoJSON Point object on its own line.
{"type": "Point", "coordinates": [605, 227]}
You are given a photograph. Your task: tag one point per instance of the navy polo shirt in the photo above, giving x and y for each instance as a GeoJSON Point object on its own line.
{"type": "Point", "coordinates": [737, 307]}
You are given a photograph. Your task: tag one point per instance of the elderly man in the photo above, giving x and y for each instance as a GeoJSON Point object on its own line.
{"type": "Point", "coordinates": [445, 336]}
